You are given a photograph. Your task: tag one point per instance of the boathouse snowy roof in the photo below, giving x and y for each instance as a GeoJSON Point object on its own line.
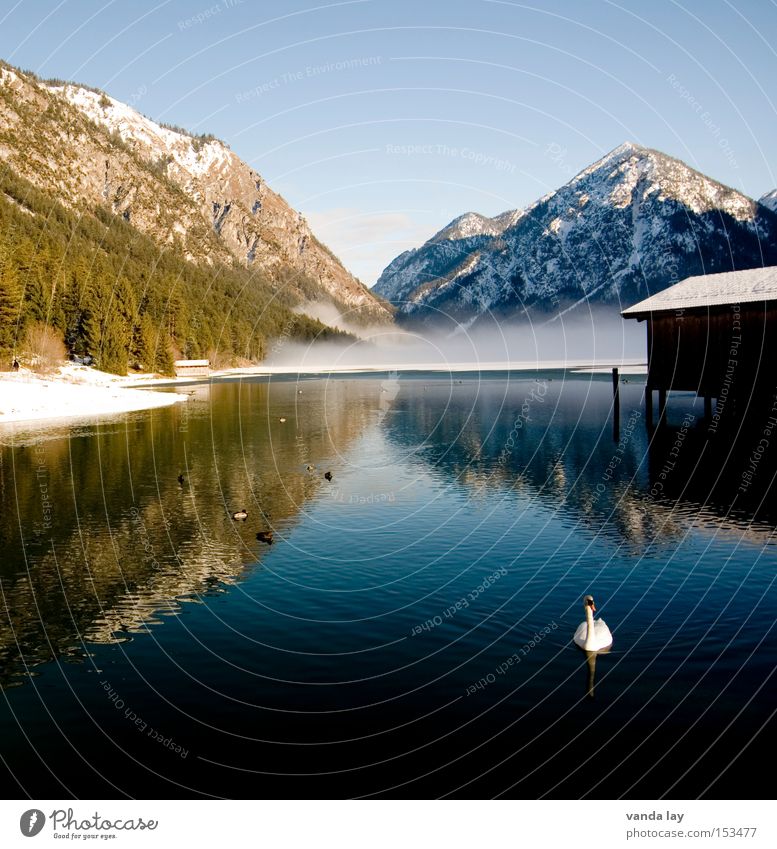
{"type": "Point", "coordinates": [711, 290]}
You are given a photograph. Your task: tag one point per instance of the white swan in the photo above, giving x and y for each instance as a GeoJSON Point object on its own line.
{"type": "Point", "coordinates": [590, 635]}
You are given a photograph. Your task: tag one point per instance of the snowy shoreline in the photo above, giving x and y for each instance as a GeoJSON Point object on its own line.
{"type": "Point", "coordinates": [73, 392]}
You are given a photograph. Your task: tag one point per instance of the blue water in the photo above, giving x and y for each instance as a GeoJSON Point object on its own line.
{"type": "Point", "coordinates": [408, 632]}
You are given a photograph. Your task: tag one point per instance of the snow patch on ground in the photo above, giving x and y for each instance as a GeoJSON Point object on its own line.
{"type": "Point", "coordinates": [73, 391]}
{"type": "Point", "coordinates": [7, 75]}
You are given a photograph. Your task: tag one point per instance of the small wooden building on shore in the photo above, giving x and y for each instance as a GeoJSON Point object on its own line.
{"type": "Point", "coordinates": [716, 335]}
{"type": "Point", "coordinates": [191, 368]}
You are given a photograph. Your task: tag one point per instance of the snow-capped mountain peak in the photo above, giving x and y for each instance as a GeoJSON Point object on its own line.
{"type": "Point", "coordinates": [633, 222]}
{"type": "Point", "coordinates": [470, 224]}
{"type": "Point", "coordinates": [619, 174]}
{"type": "Point", "coordinates": [769, 200]}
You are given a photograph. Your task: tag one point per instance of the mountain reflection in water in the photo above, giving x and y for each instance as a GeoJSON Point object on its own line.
{"type": "Point", "coordinates": [106, 540]}
{"type": "Point", "coordinates": [409, 630]}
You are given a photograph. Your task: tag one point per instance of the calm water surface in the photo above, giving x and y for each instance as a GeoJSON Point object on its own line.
{"type": "Point", "coordinates": [408, 632]}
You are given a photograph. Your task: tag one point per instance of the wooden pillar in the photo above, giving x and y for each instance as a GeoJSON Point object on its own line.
{"type": "Point", "coordinates": [648, 384]}
{"type": "Point", "coordinates": [616, 405]}
{"type": "Point", "coordinates": [649, 406]}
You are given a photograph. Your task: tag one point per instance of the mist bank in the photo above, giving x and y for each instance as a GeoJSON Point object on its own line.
{"type": "Point", "coordinates": [597, 338]}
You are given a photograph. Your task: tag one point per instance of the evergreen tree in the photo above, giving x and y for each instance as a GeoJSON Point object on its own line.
{"type": "Point", "coordinates": [113, 355]}
{"type": "Point", "coordinates": [163, 355]}
{"type": "Point", "coordinates": [10, 307]}
{"type": "Point", "coordinates": [116, 296]}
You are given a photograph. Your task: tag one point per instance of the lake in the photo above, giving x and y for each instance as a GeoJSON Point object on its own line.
{"type": "Point", "coordinates": [409, 630]}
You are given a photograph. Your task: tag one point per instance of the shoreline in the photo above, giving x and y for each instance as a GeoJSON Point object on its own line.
{"type": "Point", "coordinates": [586, 366]}
{"type": "Point", "coordinates": [73, 392]}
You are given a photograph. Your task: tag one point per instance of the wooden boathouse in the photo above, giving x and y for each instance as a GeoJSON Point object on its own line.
{"type": "Point", "coordinates": [191, 368]}
{"type": "Point", "coordinates": [716, 335]}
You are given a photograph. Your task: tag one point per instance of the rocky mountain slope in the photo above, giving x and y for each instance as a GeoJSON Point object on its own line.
{"type": "Point", "coordinates": [189, 194]}
{"type": "Point", "coordinates": [628, 226]}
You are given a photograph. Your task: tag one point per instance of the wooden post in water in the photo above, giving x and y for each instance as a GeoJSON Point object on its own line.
{"type": "Point", "coordinates": [649, 406]}
{"type": "Point", "coordinates": [661, 407]}
{"type": "Point", "coordinates": [616, 406]}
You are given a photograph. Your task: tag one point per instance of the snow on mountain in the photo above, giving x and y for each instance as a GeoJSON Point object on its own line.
{"type": "Point", "coordinates": [629, 225]}
{"type": "Point", "coordinates": [255, 223]}
{"type": "Point", "coordinates": [472, 224]}
{"type": "Point", "coordinates": [190, 193]}
{"type": "Point", "coordinates": [197, 157]}
{"type": "Point", "coordinates": [769, 200]}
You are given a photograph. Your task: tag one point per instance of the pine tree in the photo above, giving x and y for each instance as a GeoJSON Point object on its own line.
{"type": "Point", "coordinates": [163, 355]}
{"type": "Point", "coordinates": [73, 295]}
{"type": "Point", "coordinates": [115, 295]}
{"type": "Point", "coordinates": [113, 355]}
{"type": "Point", "coordinates": [10, 307]}
{"type": "Point", "coordinates": [91, 319]}
{"type": "Point", "coordinates": [142, 344]}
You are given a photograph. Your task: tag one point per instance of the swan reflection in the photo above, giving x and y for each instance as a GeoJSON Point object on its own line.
{"type": "Point", "coordinates": [590, 657]}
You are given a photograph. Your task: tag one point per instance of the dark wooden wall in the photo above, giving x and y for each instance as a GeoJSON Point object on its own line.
{"type": "Point", "coordinates": [732, 346]}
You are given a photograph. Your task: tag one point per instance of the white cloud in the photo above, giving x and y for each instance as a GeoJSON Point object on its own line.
{"type": "Point", "coordinates": [366, 242]}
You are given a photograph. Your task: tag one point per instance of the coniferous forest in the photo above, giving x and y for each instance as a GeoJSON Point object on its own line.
{"type": "Point", "coordinates": [118, 298]}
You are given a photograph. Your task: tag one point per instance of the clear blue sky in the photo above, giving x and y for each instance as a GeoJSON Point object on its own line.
{"type": "Point", "coordinates": [381, 120]}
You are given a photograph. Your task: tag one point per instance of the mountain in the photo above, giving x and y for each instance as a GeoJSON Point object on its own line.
{"type": "Point", "coordinates": [191, 196]}
{"type": "Point", "coordinates": [628, 226]}
{"type": "Point", "coordinates": [769, 200]}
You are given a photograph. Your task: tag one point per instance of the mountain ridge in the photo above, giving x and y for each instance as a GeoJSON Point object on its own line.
{"type": "Point", "coordinates": [133, 242]}
{"type": "Point", "coordinates": [189, 193]}
{"type": "Point", "coordinates": [769, 200]}
{"type": "Point", "coordinates": [628, 225]}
